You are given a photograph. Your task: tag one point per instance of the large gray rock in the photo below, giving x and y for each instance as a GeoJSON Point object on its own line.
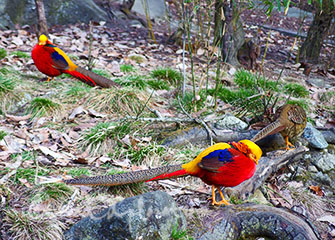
{"type": "Point", "coordinates": [323, 161]}
{"type": "Point", "coordinates": [231, 122]}
{"type": "Point", "coordinates": [156, 8]}
{"type": "Point", "coordinates": [152, 215]}
{"type": "Point", "coordinates": [23, 12]}
{"type": "Point", "coordinates": [314, 137]}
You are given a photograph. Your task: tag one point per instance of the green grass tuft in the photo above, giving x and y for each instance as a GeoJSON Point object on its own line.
{"type": "Point", "coordinates": [29, 174]}
{"type": "Point", "coordinates": [55, 192]}
{"type": "Point", "coordinates": [26, 225]}
{"type": "Point", "coordinates": [296, 90]}
{"type": "Point", "coordinates": [78, 90]}
{"type": "Point", "coordinates": [3, 134]}
{"type": "Point", "coordinates": [137, 81]}
{"type": "Point", "coordinates": [302, 103]}
{"type": "Point", "coordinates": [6, 84]}
{"type": "Point", "coordinates": [3, 53]}
{"type": "Point", "coordinates": [171, 75]}
{"type": "Point", "coordinates": [158, 84]}
{"type": "Point", "coordinates": [20, 54]}
{"type": "Point", "coordinates": [102, 72]}
{"type": "Point", "coordinates": [41, 106]}
{"type": "Point", "coordinates": [126, 68]}
{"type": "Point", "coordinates": [77, 172]}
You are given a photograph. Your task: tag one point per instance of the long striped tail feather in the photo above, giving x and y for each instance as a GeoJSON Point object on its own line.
{"type": "Point", "coordinates": [270, 129]}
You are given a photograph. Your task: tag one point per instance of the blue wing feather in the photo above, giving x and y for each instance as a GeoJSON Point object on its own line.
{"type": "Point", "coordinates": [58, 60]}
{"type": "Point", "coordinates": [223, 155]}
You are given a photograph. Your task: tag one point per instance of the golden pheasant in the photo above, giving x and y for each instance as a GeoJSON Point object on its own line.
{"type": "Point", "coordinates": [290, 123]}
{"type": "Point", "coordinates": [223, 164]}
{"type": "Point", "coordinates": [52, 61]}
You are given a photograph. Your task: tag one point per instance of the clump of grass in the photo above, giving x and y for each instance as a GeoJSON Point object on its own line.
{"type": "Point", "coordinates": [296, 90]}
{"type": "Point", "coordinates": [6, 84]}
{"type": "Point", "coordinates": [29, 174]}
{"type": "Point", "coordinates": [302, 103]}
{"type": "Point", "coordinates": [20, 54]}
{"type": "Point", "coordinates": [190, 104]}
{"type": "Point", "coordinates": [3, 134]}
{"type": "Point", "coordinates": [158, 84]}
{"type": "Point", "coordinates": [179, 234]}
{"type": "Point", "coordinates": [102, 72]}
{"type": "Point", "coordinates": [25, 225]}
{"type": "Point", "coordinates": [125, 100]}
{"type": "Point", "coordinates": [3, 53]}
{"type": "Point", "coordinates": [55, 192]}
{"type": "Point", "coordinates": [142, 150]}
{"type": "Point", "coordinates": [126, 68]}
{"type": "Point", "coordinates": [101, 137]}
{"type": "Point", "coordinates": [77, 172]}
{"type": "Point", "coordinates": [78, 90]}
{"type": "Point", "coordinates": [137, 81]}
{"type": "Point", "coordinates": [168, 74]}
{"type": "Point", "coordinates": [42, 106]}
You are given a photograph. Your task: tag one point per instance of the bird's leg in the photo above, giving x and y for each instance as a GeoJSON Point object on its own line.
{"type": "Point", "coordinates": [288, 144]}
{"type": "Point", "coordinates": [223, 200]}
{"type": "Point", "coordinates": [50, 79]}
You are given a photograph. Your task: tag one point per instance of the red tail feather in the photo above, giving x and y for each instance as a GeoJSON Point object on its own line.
{"type": "Point", "coordinates": [178, 173]}
{"type": "Point", "coordinates": [80, 76]}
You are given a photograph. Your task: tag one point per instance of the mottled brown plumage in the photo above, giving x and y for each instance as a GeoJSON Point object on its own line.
{"type": "Point", "coordinates": [290, 123]}
{"type": "Point", "coordinates": [124, 178]}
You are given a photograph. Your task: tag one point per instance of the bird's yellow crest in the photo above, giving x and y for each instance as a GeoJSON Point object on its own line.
{"type": "Point", "coordinates": [42, 40]}
{"type": "Point", "coordinates": [255, 150]}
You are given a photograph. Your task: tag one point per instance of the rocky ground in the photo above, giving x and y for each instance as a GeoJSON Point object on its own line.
{"type": "Point", "coordinates": [36, 146]}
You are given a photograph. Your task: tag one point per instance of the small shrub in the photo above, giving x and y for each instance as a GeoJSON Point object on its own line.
{"type": "Point", "coordinates": [20, 54]}
{"type": "Point", "coordinates": [3, 53]}
{"type": "Point", "coordinates": [126, 68]}
{"type": "Point", "coordinates": [172, 76]}
{"type": "Point", "coordinates": [41, 106]}
{"type": "Point", "coordinates": [296, 90]}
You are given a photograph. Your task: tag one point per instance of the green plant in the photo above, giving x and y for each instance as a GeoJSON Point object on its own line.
{"type": "Point", "coordinates": [41, 106]}
{"type": "Point", "coordinates": [190, 104]}
{"type": "Point", "coordinates": [158, 84]}
{"type": "Point", "coordinates": [55, 192]}
{"type": "Point", "coordinates": [3, 53]}
{"type": "Point", "coordinates": [136, 155]}
{"type": "Point", "coordinates": [126, 68]}
{"type": "Point", "coordinates": [20, 54]}
{"type": "Point", "coordinates": [296, 90]}
{"type": "Point", "coordinates": [137, 81]}
{"type": "Point", "coordinates": [77, 172]}
{"type": "Point", "coordinates": [6, 84]}
{"type": "Point", "coordinates": [179, 234]}
{"type": "Point", "coordinates": [301, 103]}
{"type": "Point", "coordinates": [102, 72]}
{"type": "Point", "coordinates": [171, 75]}
{"type": "Point", "coordinates": [29, 174]}
{"type": "Point", "coordinates": [2, 134]}
{"type": "Point", "coordinates": [78, 90]}
{"type": "Point", "coordinates": [25, 225]}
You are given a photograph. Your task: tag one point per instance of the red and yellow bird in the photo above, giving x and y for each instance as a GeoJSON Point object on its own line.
{"type": "Point", "coordinates": [52, 61]}
{"type": "Point", "coordinates": [221, 165]}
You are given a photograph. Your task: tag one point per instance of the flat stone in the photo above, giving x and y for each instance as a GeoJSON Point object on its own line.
{"type": "Point", "coordinates": [231, 122]}
{"type": "Point", "coordinates": [314, 137]}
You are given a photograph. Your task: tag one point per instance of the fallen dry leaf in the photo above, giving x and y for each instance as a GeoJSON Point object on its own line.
{"type": "Point", "coordinates": [317, 190]}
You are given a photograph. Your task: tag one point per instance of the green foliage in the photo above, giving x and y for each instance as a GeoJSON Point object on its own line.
{"type": "Point", "coordinates": [158, 84]}
{"type": "Point", "coordinates": [41, 106]}
{"type": "Point", "coordinates": [2, 134]}
{"type": "Point", "coordinates": [188, 101]}
{"type": "Point", "coordinates": [301, 103]}
{"type": "Point", "coordinates": [3, 53]}
{"type": "Point", "coordinates": [296, 90]}
{"type": "Point", "coordinates": [77, 172]}
{"type": "Point", "coordinates": [54, 191]}
{"type": "Point", "coordinates": [137, 154]}
{"type": "Point", "coordinates": [20, 54]}
{"type": "Point", "coordinates": [78, 90]}
{"type": "Point", "coordinates": [179, 234]}
{"type": "Point", "coordinates": [137, 81]}
{"type": "Point", "coordinates": [102, 72]}
{"type": "Point", "coordinates": [6, 84]}
{"type": "Point", "coordinates": [27, 225]}
{"type": "Point", "coordinates": [126, 68]}
{"type": "Point", "coordinates": [29, 174]}
{"type": "Point", "coordinates": [172, 76]}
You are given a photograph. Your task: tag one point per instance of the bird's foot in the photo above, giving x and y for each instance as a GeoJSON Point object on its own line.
{"type": "Point", "coordinates": [223, 201]}
{"type": "Point", "coordinates": [289, 146]}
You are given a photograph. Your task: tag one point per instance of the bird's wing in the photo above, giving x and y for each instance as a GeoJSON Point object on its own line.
{"type": "Point", "coordinates": [60, 60]}
{"type": "Point", "coordinates": [217, 159]}
{"type": "Point", "coordinates": [296, 114]}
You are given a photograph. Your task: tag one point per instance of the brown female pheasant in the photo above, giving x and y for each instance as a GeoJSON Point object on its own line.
{"type": "Point", "coordinates": [290, 123]}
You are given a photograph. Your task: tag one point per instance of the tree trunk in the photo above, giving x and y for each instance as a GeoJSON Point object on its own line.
{"type": "Point", "coordinates": [42, 26]}
{"type": "Point", "coordinates": [318, 31]}
{"type": "Point", "coordinates": [229, 33]}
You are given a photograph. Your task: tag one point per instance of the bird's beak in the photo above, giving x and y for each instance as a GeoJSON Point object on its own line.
{"type": "Point", "coordinates": [253, 158]}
